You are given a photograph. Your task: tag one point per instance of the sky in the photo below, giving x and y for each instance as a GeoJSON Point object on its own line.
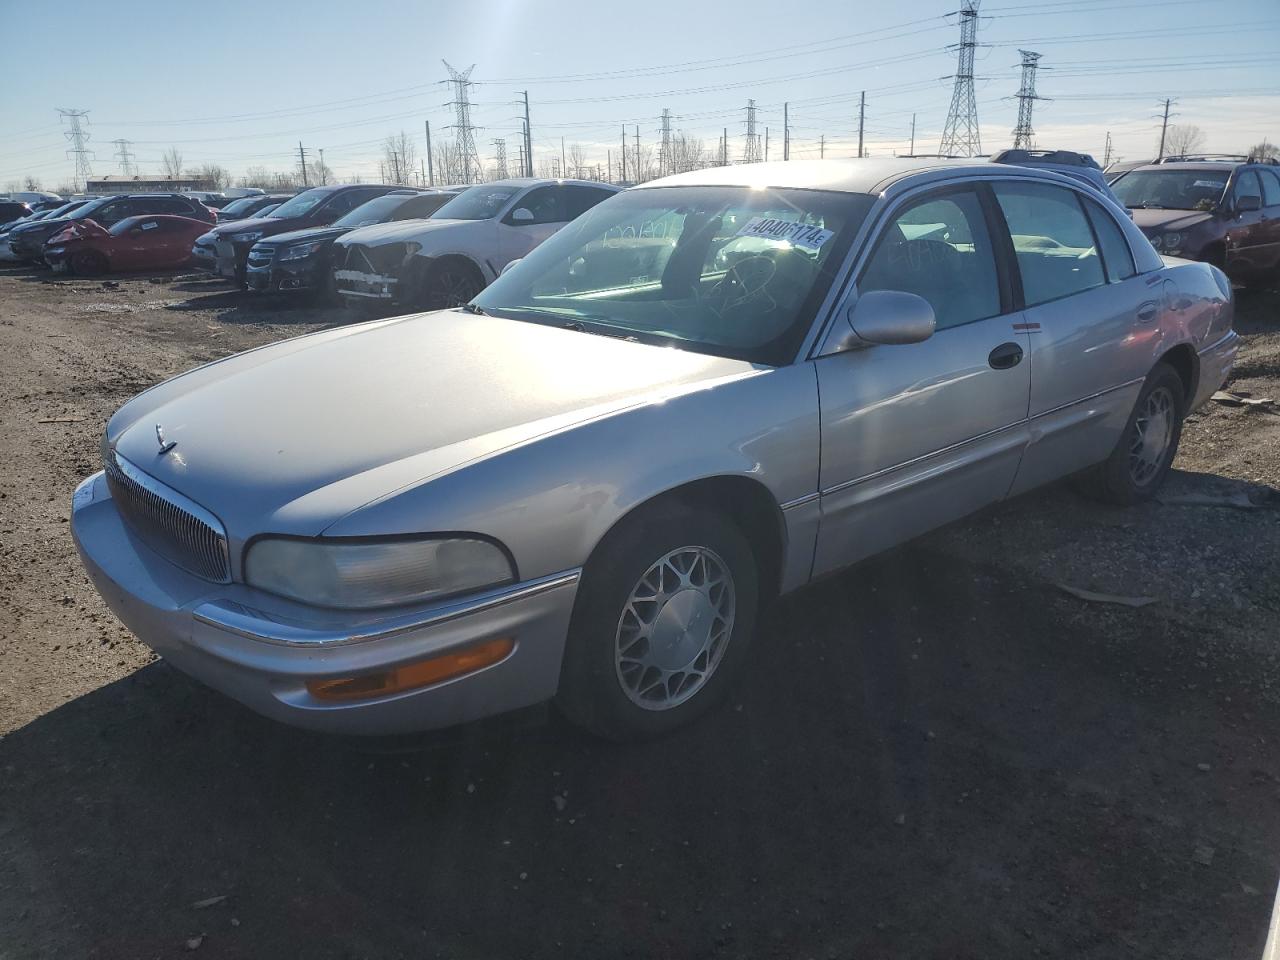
{"type": "Point", "coordinates": [240, 84]}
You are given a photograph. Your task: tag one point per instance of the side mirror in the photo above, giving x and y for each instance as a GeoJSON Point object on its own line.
{"type": "Point", "coordinates": [888, 317]}
{"type": "Point", "coordinates": [522, 215]}
{"type": "Point", "coordinates": [1248, 204]}
{"type": "Point", "coordinates": [509, 266]}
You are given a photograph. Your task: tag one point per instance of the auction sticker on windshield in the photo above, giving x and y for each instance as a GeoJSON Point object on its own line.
{"type": "Point", "coordinates": [803, 235]}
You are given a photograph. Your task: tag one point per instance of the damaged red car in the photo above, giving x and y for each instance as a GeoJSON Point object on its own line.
{"type": "Point", "coordinates": [154, 242]}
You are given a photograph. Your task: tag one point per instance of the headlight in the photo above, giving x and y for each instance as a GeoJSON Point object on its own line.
{"type": "Point", "coordinates": [208, 238]}
{"type": "Point", "coordinates": [55, 249]}
{"type": "Point", "coordinates": [359, 574]}
{"type": "Point", "coordinates": [300, 250]}
{"type": "Point", "coordinates": [1167, 242]}
{"type": "Point", "coordinates": [248, 237]}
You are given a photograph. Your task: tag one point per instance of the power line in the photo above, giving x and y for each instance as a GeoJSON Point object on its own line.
{"type": "Point", "coordinates": [960, 135]}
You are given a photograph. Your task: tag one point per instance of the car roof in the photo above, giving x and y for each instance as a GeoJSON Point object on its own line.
{"type": "Point", "coordinates": [1220, 166]}
{"type": "Point", "coordinates": [845, 176]}
{"type": "Point", "coordinates": [542, 181]}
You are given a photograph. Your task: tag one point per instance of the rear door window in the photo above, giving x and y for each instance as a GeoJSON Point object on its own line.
{"type": "Point", "coordinates": [1116, 255]}
{"type": "Point", "coordinates": [579, 199]}
{"type": "Point", "coordinates": [938, 248]}
{"type": "Point", "coordinates": [1270, 188]}
{"type": "Point", "coordinates": [1052, 241]}
{"type": "Point", "coordinates": [547, 204]}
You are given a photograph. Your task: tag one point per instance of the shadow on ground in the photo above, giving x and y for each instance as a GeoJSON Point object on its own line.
{"type": "Point", "coordinates": [928, 759]}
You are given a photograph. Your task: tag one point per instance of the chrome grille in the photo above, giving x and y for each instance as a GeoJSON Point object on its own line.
{"type": "Point", "coordinates": [178, 529]}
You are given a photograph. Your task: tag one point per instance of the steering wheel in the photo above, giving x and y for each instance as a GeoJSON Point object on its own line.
{"type": "Point", "coordinates": [744, 283]}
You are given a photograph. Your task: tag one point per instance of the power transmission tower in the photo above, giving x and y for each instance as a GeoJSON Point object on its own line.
{"type": "Point", "coordinates": [1106, 152]}
{"type": "Point", "coordinates": [464, 133]}
{"type": "Point", "coordinates": [1164, 128]}
{"type": "Point", "coordinates": [125, 156]}
{"type": "Point", "coordinates": [1022, 133]}
{"type": "Point", "coordinates": [77, 136]}
{"type": "Point", "coordinates": [751, 149]}
{"type": "Point", "coordinates": [664, 149]}
{"type": "Point", "coordinates": [960, 135]}
{"type": "Point", "coordinates": [500, 157]}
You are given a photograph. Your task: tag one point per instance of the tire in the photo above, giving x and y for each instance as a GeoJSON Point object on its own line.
{"type": "Point", "coordinates": [1136, 469]}
{"type": "Point", "coordinates": [87, 263]}
{"type": "Point", "coordinates": [614, 681]}
{"type": "Point", "coordinates": [449, 283]}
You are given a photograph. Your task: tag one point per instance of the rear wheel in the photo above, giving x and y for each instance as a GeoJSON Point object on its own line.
{"type": "Point", "coordinates": [87, 263]}
{"type": "Point", "coordinates": [665, 614]}
{"type": "Point", "coordinates": [1143, 457]}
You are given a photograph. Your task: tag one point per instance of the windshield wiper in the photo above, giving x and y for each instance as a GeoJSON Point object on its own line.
{"type": "Point", "coordinates": [579, 327]}
{"type": "Point", "coordinates": [472, 308]}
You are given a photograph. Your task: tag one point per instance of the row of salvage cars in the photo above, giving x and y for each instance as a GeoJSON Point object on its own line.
{"type": "Point", "coordinates": [584, 482]}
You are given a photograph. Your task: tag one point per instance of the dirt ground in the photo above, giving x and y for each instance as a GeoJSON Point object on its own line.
{"type": "Point", "coordinates": [941, 753]}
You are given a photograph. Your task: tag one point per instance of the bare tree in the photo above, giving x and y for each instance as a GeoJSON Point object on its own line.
{"type": "Point", "coordinates": [577, 161]}
{"type": "Point", "coordinates": [31, 183]}
{"type": "Point", "coordinates": [449, 167]}
{"type": "Point", "coordinates": [259, 177]}
{"type": "Point", "coordinates": [219, 177]}
{"type": "Point", "coordinates": [320, 173]}
{"type": "Point", "coordinates": [400, 156]}
{"type": "Point", "coordinates": [1264, 151]}
{"type": "Point", "coordinates": [1183, 139]}
{"type": "Point", "coordinates": [688, 153]}
{"type": "Point", "coordinates": [171, 162]}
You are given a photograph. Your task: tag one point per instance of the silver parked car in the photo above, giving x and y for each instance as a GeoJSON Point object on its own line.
{"type": "Point", "coordinates": [702, 393]}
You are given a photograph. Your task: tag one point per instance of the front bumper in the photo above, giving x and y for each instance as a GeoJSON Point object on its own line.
{"type": "Point", "coordinates": [261, 650]}
{"type": "Point", "coordinates": [284, 275]}
{"type": "Point", "coordinates": [27, 248]}
{"type": "Point", "coordinates": [357, 285]}
{"type": "Point", "coordinates": [220, 258]}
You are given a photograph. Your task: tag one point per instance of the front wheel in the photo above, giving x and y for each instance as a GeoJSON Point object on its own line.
{"type": "Point", "coordinates": [665, 614]}
{"type": "Point", "coordinates": [88, 263]}
{"type": "Point", "coordinates": [449, 283]}
{"type": "Point", "coordinates": [1143, 457]}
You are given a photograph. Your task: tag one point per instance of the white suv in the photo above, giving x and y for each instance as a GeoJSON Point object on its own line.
{"type": "Point", "coordinates": [446, 260]}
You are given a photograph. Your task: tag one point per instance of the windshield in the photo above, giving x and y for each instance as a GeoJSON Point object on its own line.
{"type": "Point", "coordinates": [377, 210]}
{"type": "Point", "coordinates": [303, 203]}
{"type": "Point", "coordinates": [731, 271]}
{"type": "Point", "coordinates": [243, 205]}
{"type": "Point", "coordinates": [477, 203]}
{"type": "Point", "coordinates": [1172, 189]}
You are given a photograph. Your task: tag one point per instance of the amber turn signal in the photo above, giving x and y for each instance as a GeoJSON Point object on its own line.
{"type": "Point", "coordinates": [413, 675]}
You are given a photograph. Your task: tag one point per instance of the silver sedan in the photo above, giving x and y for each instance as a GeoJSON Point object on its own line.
{"type": "Point", "coordinates": [583, 485]}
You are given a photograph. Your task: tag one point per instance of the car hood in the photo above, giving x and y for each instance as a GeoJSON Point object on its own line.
{"type": "Point", "coordinates": [271, 225]}
{"type": "Point", "coordinates": [1159, 220]}
{"type": "Point", "coordinates": [380, 233]}
{"type": "Point", "coordinates": [39, 225]}
{"type": "Point", "coordinates": [310, 233]}
{"type": "Point", "coordinates": [291, 437]}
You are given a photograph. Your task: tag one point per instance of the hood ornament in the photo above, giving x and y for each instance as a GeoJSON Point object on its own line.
{"type": "Point", "coordinates": [165, 446]}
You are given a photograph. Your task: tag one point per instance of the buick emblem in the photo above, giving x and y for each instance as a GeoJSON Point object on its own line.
{"type": "Point", "coordinates": [165, 446]}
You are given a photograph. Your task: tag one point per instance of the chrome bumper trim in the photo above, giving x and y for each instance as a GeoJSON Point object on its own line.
{"type": "Point", "coordinates": [253, 624]}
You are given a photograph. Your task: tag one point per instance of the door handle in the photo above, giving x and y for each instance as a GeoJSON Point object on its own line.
{"type": "Point", "coordinates": [1148, 311]}
{"type": "Point", "coordinates": [1005, 356]}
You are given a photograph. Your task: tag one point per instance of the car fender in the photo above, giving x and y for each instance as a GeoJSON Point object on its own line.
{"type": "Point", "coordinates": [552, 498]}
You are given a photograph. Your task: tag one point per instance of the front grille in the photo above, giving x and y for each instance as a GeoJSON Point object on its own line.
{"type": "Point", "coordinates": [384, 259]}
{"type": "Point", "coordinates": [178, 529]}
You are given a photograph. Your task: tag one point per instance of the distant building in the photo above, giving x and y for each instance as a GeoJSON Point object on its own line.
{"type": "Point", "coordinates": [117, 183]}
